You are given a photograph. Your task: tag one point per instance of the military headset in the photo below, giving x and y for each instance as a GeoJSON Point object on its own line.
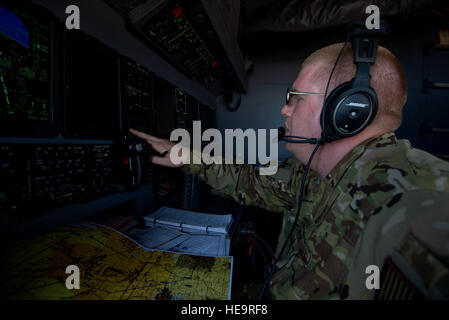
{"type": "Point", "coordinates": [352, 105]}
{"type": "Point", "coordinates": [348, 109]}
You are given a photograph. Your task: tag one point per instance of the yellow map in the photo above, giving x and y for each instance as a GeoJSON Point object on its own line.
{"type": "Point", "coordinates": [111, 267]}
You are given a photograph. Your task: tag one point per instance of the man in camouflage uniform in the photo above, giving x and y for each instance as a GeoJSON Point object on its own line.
{"type": "Point", "coordinates": [370, 199]}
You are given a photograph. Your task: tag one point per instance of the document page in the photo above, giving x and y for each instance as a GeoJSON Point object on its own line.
{"type": "Point", "coordinates": [169, 239]}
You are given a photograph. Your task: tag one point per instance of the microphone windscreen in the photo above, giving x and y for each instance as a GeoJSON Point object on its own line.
{"type": "Point", "coordinates": [281, 133]}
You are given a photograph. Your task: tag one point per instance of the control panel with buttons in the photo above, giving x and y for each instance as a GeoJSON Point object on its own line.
{"type": "Point", "coordinates": [37, 178]}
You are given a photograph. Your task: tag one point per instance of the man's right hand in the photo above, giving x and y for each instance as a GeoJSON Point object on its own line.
{"type": "Point", "coordinates": [162, 146]}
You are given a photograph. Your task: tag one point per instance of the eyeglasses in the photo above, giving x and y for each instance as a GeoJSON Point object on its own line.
{"type": "Point", "coordinates": [291, 93]}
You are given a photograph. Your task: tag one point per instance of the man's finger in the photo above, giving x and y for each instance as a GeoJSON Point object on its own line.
{"type": "Point", "coordinates": [144, 135]}
{"type": "Point", "coordinates": [161, 161]}
{"type": "Point", "coordinates": [160, 148]}
{"type": "Point", "coordinates": [155, 159]}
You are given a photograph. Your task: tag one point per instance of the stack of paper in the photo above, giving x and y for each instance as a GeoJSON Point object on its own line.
{"type": "Point", "coordinates": [183, 231]}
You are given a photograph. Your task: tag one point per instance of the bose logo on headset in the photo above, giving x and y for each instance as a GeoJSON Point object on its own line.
{"type": "Point", "coordinates": [355, 104]}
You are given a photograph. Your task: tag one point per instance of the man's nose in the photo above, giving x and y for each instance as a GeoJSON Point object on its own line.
{"type": "Point", "coordinates": [286, 110]}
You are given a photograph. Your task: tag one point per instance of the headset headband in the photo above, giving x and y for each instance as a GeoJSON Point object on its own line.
{"type": "Point", "coordinates": [364, 46]}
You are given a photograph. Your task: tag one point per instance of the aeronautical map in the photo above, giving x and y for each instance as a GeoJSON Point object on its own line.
{"type": "Point", "coordinates": [111, 267]}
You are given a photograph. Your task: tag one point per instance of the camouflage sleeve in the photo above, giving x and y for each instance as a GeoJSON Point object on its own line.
{"type": "Point", "coordinates": [244, 183]}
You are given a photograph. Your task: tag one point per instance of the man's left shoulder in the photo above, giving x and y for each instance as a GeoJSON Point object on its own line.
{"type": "Point", "coordinates": [392, 161]}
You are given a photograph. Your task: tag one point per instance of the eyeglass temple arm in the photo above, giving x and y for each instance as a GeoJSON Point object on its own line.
{"type": "Point", "coordinates": [296, 92]}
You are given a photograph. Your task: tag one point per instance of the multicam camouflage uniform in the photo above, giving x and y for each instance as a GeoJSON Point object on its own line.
{"type": "Point", "coordinates": [384, 199]}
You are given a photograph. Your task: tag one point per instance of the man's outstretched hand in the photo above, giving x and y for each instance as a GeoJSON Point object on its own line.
{"type": "Point", "coordinates": [162, 146]}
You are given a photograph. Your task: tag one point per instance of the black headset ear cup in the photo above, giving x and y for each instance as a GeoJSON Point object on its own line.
{"type": "Point", "coordinates": [339, 106]}
{"type": "Point", "coordinates": [329, 105]}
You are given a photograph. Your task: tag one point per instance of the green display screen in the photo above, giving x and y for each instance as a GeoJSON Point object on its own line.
{"type": "Point", "coordinates": [24, 66]}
